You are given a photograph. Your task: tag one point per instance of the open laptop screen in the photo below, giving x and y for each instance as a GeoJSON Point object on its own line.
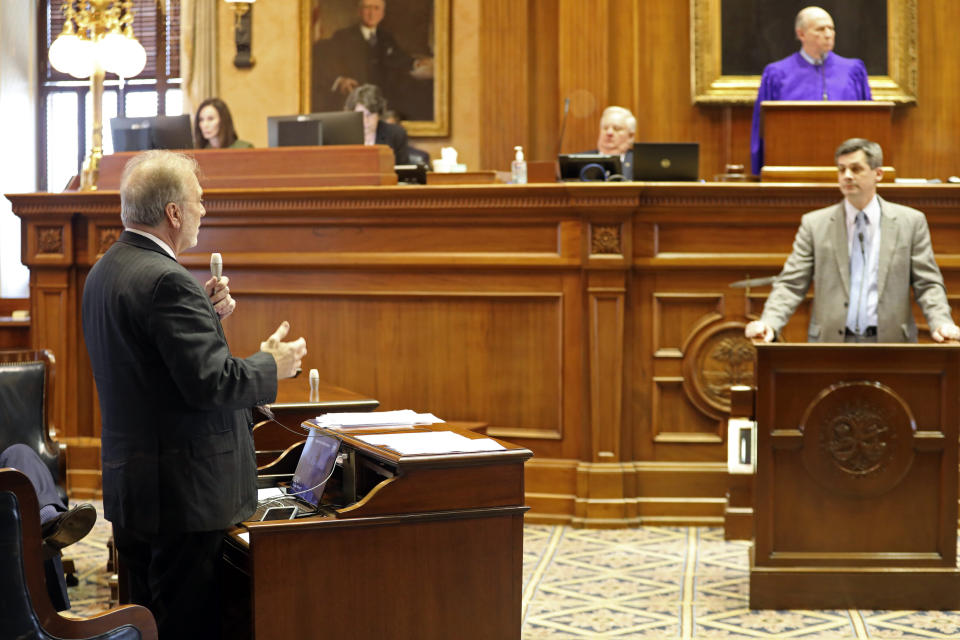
{"type": "Point", "coordinates": [666, 161]}
{"type": "Point", "coordinates": [317, 462]}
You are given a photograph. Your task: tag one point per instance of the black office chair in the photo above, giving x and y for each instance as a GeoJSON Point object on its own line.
{"type": "Point", "coordinates": [25, 608]}
{"type": "Point", "coordinates": [26, 409]}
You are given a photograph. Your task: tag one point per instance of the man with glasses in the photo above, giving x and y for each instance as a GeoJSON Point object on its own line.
{"type": "Point", "coordinates": [177, 452]}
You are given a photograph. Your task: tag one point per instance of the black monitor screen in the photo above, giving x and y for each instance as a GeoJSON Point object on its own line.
{"type": "Point", "coordinates": [158, 132]}
{"type": "Point", "coordinates": [333, 127]}
{"type": "Point", "coordinates": [589, 167]}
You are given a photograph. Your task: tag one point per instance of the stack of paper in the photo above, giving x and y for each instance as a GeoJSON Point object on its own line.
{"type": "Point", "coordinates": [373, 419]}
{"type": "Point", "coordinates": [426, 442]}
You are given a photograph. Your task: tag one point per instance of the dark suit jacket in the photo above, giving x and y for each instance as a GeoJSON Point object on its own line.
{"type": "Point", "coordinates": [394, 136]}
{"type": "Point", "coordinates": [176, 445]}
{"type": "Point", "coordinates": [347, 54]}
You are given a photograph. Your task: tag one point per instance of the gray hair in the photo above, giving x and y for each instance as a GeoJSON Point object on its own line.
{"type": "Point", "coordinates": [628, 116]}
{"type": "Point", "coordinates": [870, 149]}
{"type": "Point", "coordinates": [150, 181]}
{"type": "Point", "coordinates": [368, 95]}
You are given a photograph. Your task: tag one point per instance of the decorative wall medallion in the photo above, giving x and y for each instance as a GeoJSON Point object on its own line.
{"type": "Point", "coordinates": [605, 238]}
{"type": "Point", "coordinates": [50, 240]}
{"type": "Point", "coordinates": [108, 235]}
{"type": "Point", "coordinates": [858, 438]}
{"type": "Point", "coordinates": [718, 358]}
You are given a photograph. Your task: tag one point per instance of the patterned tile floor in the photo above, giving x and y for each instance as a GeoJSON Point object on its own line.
{"type": "Point", "coordinates": [649, 582]}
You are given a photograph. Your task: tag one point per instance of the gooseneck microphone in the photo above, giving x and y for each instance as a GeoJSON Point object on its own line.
{"type": "Point", "coordinates": [563, 124]}
{"type": "Point", "coordinates": [563, 128]}
{"type": "Point", "coordinates": [216, 265]}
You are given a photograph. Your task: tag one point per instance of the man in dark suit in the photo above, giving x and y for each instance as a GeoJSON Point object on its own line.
{"type": "Point", "coordinates": [364, 53]}
{"type": "Point", "coordinates": [177, 452]}
{"type": "Point", "coordinates": [863, 257]}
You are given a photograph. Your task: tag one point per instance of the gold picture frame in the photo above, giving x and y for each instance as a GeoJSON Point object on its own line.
{"type": "Point", "coordinates": [313, 30]}
{"type": "Point", "coordinates": [709, 86]}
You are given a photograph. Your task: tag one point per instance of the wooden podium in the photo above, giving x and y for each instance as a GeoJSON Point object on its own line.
{"type": "Point", "coordinates": [855, 501]}
{"type": "Point", "coordinates": [800, 137]}
{"type": "Point", "coordinates": [425, 546]}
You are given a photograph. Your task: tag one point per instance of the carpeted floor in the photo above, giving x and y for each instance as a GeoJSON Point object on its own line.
{"type": "Point", "coordinates": [649, 582]}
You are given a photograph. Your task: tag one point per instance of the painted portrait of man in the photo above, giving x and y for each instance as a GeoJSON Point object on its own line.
{"type": "Point", "coordinates": [388, 43]}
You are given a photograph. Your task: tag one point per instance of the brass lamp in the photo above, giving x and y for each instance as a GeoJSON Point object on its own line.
{"type": "Point", "coordinates": [97, 37]}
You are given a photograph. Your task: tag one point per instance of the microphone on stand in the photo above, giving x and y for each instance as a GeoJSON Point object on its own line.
{"type": "Point", "coordinates": [216, 265]}
{"type": "Point", "coordinates": [563, 128]}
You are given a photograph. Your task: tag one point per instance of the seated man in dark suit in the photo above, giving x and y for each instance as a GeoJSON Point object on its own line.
{"type": "Point", "coordinates": [178, 459]}
{"type": "Point", "coordinates": [368, 100]}
{"type": "Point", "coordinates": [59, 526]}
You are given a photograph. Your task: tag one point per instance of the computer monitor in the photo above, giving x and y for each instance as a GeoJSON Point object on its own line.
{"type": "Point", "coordinates": [331, 127]}
{"type": "Point", "coordinates": [589, 167]}
{"type": "Point", "coordinates": [157, 132]}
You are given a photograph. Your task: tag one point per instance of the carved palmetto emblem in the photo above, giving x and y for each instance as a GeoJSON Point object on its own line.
{"type": "Point", "coordinates": [728, 363]}
{"type": "Point", "coordinates": [858, 440]}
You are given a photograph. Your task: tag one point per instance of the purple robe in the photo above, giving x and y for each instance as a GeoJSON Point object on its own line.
{"type": "Point", "coordinates": [793, 78]}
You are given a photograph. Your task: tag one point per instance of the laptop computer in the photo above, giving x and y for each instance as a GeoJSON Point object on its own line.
{"type": "Point", "coordinates": [318, 460]}
{"type": "Point", "coordinates": [666, 161]}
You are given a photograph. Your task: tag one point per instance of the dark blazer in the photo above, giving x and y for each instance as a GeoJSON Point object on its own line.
{"type": "Point", "coordinates": [347, 54]}
{"type": "Point", "coordinates": [395, 137]}
{"type": "Point", "coordinates": [176, 445]}
{"type": "Point", "coordinates": [821, 257]}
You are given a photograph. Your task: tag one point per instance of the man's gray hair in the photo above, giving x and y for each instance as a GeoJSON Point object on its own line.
{"type": "Point", "coordinates": [150, 181]}
{"type": "Point", "coordinates": [870, 149]}
{"type": "Point", "coordinates": [628, 116]}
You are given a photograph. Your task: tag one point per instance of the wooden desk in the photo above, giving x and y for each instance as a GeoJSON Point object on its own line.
{"type": "Point", "coordinates": [432, 549]}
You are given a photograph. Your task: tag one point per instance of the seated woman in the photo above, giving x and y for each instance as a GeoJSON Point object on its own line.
{"type": "Point", "coordinates": [368, 99]}
{"type": "Point", "coordinates": [213, 127]}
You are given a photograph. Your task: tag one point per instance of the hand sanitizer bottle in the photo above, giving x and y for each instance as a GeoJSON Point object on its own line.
{"type": "Point", "coordinates": [518, 168]}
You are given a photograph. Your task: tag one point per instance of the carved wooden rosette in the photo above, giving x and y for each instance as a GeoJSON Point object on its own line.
{"type": "Point", "coordinates": [49, 240]}
{"type": "Point", "coordinates": [605, 238]}
{"type": "Point", "coordinates": [858, 438]}
{"type": "Point", "coordinates": [717, 358]}
{"type": "Point", "coordinates": [106, 237]}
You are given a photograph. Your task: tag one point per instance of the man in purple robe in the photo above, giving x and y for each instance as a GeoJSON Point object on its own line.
{"type": "Point", "coordinates": [813, 73]}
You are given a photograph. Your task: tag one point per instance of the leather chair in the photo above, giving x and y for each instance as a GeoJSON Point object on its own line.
{"type": "Point", "coordinates": [26, 408]}
{"type": "Point", "coordinates": [25, 608]}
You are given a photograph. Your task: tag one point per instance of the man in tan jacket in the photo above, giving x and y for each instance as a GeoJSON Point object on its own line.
{"type": "Point", "coordinates": [862, 256]}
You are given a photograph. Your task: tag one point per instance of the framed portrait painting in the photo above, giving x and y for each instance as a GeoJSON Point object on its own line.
{"type": "Point", "coordinates": [402, 46]}
{"type": "Point", "coordinates": [733, 40]}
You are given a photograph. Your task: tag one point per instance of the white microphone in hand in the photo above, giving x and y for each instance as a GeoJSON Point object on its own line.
{"type": "Point", "coordinates": [216, 265]}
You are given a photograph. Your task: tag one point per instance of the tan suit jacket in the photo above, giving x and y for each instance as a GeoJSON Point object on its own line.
{"type": "Point", "coordinates": [821, 257]}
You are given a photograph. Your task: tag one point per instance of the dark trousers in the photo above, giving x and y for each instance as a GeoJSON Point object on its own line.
{"type": "Point", "coordinates": [176, 577]}
{"type": "Point", "coordinates": [26, 461]}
